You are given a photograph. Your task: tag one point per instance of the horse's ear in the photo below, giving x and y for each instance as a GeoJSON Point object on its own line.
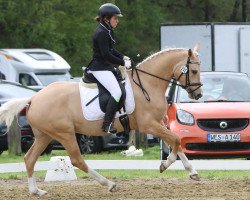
{"type": "Point", "coordinates": [197, 47]}
{"type": "Point", "coordinates": [190, 53]}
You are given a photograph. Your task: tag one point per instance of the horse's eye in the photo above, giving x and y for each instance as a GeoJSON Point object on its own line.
{"type": "Point", "coordinates": [194, 71]}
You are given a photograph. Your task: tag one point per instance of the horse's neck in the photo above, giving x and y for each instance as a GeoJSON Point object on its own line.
{"type": "Point", "coordinates": [162, 65]}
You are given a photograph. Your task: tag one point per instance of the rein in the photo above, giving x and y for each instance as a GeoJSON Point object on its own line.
{"type": "Point", "coordinates": [184, 70]}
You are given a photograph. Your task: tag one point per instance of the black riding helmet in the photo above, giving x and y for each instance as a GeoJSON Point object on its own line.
{"type": "Point", "coordinates": [109, 10]}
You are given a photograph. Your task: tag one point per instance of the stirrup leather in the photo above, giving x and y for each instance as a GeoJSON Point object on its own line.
{"type": "Point", "coordinates": [109, 128]}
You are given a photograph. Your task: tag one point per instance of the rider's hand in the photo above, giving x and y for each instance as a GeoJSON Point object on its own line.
{"type": "Point", "coordinates": [127, 64]}
{"type": "Point", "coordinates": [126, 58]}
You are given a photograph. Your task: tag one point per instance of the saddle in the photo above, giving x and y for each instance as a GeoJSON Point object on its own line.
{"type": "Point", "coordinates": [104, 95]}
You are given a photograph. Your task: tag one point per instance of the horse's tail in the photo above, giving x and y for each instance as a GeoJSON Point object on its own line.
{"type": "Point", "coordinates": [10, 109]}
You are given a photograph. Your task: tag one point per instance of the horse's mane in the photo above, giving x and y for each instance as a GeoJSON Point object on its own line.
{"type": "Point", "coordinates": [161, 52]}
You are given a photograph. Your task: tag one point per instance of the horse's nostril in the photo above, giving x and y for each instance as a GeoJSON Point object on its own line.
{"type": "Point", "coordinates": [199, 96]}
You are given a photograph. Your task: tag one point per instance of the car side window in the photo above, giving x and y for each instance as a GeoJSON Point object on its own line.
{"type": "Point", "coordinates": [27, 80]}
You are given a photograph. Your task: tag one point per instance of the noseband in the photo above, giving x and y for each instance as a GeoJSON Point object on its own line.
{"type": "Point", "coordinates": [184, 70]}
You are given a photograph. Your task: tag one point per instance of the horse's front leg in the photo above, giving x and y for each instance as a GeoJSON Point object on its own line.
{"type": "Point", "coordinates": [170, 138]}
{"type": "Point", "coordinates": [173, 140]}
{"type": "Point", "coordinates": [192, 172]}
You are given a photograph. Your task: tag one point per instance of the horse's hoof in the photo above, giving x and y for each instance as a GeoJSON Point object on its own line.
{"type": "Point", "coordinates": [195, 177]}
{"type": "Point", "coordinates": [39, 192]}
{"type": "Point", "coordinates": [162, 168]}
{"type": "Point", "coordinates": [112, 187]}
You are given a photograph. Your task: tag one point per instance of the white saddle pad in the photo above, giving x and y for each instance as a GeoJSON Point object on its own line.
{"type": "Point", "coordinates": [93, 111]}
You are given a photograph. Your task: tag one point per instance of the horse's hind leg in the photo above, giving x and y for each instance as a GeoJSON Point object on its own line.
{"type": "Point", "coordinates": [41, 142]}
{"type": "Point", "coordinates": [71, 146]}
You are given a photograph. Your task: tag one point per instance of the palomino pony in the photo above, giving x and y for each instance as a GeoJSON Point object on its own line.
{"type": "Point", "coordinates": [55, 111]}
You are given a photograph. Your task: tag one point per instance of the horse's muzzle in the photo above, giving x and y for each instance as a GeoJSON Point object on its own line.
{"type": "Point", "coordinates": [198, 96]}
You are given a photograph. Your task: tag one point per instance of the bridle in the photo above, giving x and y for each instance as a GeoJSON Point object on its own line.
{"type": "Point", "coordinates": [184, 70]}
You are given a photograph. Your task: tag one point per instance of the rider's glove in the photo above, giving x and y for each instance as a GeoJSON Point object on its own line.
{"type": "Point", "coordinates": [127, 64]}
{"type": "Point", "coordinates": [126, 58]}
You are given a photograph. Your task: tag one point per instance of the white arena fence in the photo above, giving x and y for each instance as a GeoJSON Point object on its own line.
{"type": "Point", "coordinates": [64, 162]}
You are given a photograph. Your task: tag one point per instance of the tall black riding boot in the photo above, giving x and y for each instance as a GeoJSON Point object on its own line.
{"type": "Point", "coordinates": [111, 109]}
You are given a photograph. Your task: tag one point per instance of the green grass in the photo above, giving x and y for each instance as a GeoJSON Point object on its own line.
{"type": "Point", "coordinates": [6, 158]}
{"type": "Point", "coordinates": [152, 153]}
{"type": "Point", "coordinates": [147, 174]}
{"type": "Point", "coordinates": [182, 174]}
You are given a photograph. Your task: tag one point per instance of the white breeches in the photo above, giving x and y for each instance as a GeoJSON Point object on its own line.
{"type": "Point", "coordinates": [108, 80]}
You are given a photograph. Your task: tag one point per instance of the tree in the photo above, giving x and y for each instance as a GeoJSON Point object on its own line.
{"type": "Point", "coordinates": [66, 27]}
{"type": "Point", "coordinates": [137, 139]}
{"type": "Point", "coordinates": [14, 138]}
{"type": "Point", "coordinates": [235, 10]}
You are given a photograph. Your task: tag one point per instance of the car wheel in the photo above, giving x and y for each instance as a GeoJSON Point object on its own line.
{"type": "Point", "coordinates": [89, 144]}
{"type": "Point", "coordinates": [48, 149]}
{"type": "Point", "coordinates": [26, 143]}
{"type": "Point", "coordinates": [1, 152]}
{"type": "Point", "coordinates": [165, 150]}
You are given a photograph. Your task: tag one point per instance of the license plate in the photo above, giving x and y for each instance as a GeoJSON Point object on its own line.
{"type": "Point", "coordinates": [234, 137]}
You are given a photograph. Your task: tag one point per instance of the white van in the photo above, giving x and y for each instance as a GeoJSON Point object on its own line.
{"type": "Point", "coordinates": [35, 68]}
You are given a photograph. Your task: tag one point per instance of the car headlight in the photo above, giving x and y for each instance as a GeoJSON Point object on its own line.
{"type": "Point", "coordinates": [185, 117]}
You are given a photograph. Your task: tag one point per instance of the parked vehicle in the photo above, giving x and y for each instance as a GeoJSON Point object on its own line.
{"type": "Point", "coordinates": [3, 138]}
{"type": "Point", "coordinates": [87, 144]}
{"type": "Point", "coordinates": [8, 91]}
{"type": "Point", "coordinates": [96, 144]}
{"type": "Point", "coordinates": [35, 68]}
{"type": "Point", "coordinates": [217, 125]}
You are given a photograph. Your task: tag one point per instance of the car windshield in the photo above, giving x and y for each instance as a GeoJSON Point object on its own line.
{"type": "Point", "coordinates": [220, 87]}
{"type": "Point", "coordinates": [46, 78]}
{"type": "Point", "coordinates": [9, 91]}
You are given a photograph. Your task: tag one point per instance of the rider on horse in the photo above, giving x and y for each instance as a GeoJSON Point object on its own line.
{"type": "Point", "coordinates": [106, 59]}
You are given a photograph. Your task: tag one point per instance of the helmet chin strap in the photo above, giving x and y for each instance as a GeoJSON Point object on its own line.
{"type": "Point", "coordinates": [109, 31]}
{"type": "Point", "coordinates": [107, 22]}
